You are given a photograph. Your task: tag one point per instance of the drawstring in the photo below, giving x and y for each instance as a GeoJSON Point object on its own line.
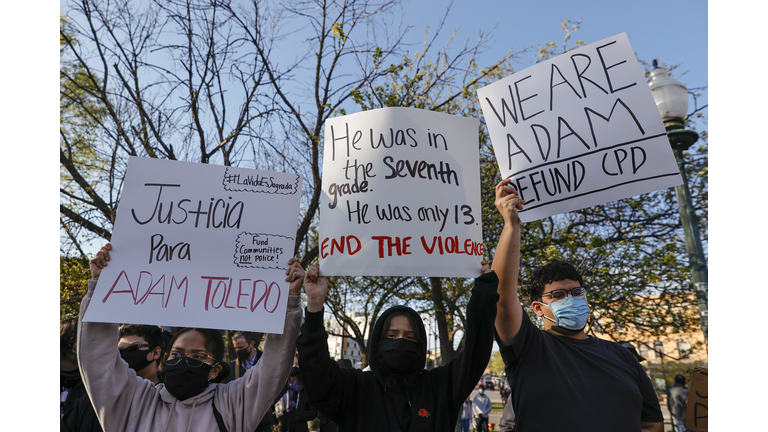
{"type": "Point", "coordinates": [391, 382]}
{"type": "Point", "coordinates": [191, 414]}
{"type": "Point", "coordinates": [170, 414]}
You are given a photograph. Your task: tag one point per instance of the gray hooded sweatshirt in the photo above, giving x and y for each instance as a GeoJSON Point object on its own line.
{"type": "Point", "coordinates": [127, 403]}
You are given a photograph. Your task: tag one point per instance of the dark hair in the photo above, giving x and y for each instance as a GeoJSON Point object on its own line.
{"type": "Point", "coordinates": [68, 339]}
{"type": "Point", "coordinates": [152, 334]}
{"type": "Point", "coordinates": [214, 344]}
{"type": "Point", "coordinates": [552, 272]}
{"type": "Point", "coordinates": [248, 336]}
{"type": "Point", "coordinates": [679, 379]}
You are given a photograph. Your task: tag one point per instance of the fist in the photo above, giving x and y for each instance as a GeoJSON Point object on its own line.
{"type": "Point", "coordinates": [99, 261]}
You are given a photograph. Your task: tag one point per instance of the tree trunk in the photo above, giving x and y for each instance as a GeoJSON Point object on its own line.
{"type": "Point", "coordinates": [447, 353]}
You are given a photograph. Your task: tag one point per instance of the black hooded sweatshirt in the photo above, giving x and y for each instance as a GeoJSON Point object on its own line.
{"type": "Point", "coordinates": [379, 400]}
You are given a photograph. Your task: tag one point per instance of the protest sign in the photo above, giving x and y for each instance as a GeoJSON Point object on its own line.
{"type": "Point", "coordinates": [197, 245]}
{"type": "Point", "coordinates": [579, 130]}
{"type": "Point", "coordinates": [401, 195]}
{"type": "Point", "coordinates": [697, 409]}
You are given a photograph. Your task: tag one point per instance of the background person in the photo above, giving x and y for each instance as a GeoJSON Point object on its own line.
{"type": "Point", "coordinates": [677, 401]}
{"type": "Point", "coordinates": [248, 354]}
{"type": "Point", "coordinates": [189, 397]}
{"type": "Point", "coordinates": [507, 422]}
{"type": "Point", "coordinates": [292, 410]}
{"type": "Point", "coordinates": [141, 347]}
{"type": "Point", "coordinates": [482, 409]}
{"type": "Point", "coordinates": [70, 382]}
{"type": "Point", "coordinates": [466, 415]}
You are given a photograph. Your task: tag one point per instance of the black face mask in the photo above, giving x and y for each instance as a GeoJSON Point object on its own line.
{"type": "Point", "coordinates": [401, 356]}
{"type": "Point", "coordinates": [69, 379]}
{"type": "Point", "coordinates": [137, 360]}
{"type": "Point", "coordinates": [243, 354]}
{"type": "Point", "coordinates": [183, 381]}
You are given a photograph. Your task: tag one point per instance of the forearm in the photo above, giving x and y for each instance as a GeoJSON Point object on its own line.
{"type": "Point", "coordinates": [506, 264]}
{"type": "Point", "coordinates": [261, 384]}
{"type": "Point", "coordinates": [481, 312]}
{"type": "Point", "coordinates": [320, 375]}
{"type": "Point", "coordinates": [112, 386]}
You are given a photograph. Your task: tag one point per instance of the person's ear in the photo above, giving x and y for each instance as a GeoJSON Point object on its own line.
{"type": "Point", "coordinates": [156, 353]}
{"type": "Point", "coordinates": [537, 309]}
{"type": "Point", "coordinates": [214, 372]}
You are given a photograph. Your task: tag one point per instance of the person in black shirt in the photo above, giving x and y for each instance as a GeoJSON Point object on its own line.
{"type": "Point", "coordinates": [561, 379]}
{"type": "Point", "coordinates": [397, 394]}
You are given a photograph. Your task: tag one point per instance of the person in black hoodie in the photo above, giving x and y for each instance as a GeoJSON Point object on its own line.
{"type": "Point", "coordinates": [397, 394]}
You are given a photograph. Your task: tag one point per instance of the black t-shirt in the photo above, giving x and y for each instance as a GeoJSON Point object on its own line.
{"type": "Point", "coordinates": [564, 384]}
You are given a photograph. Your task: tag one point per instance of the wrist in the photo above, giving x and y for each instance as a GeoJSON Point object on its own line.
{"type": "Point", "coordinates": [315, 304]}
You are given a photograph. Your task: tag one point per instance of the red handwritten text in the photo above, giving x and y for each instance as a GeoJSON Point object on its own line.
{"type": "Point", "coordinates": [452, 245]}
{"type": "Point", "coordinates": [338, 246]}
{"type": "Point", "coordinates": [150, 288]}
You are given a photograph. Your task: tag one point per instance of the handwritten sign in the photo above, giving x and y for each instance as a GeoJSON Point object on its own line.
{"type": "Point", "coordinates": [198, 245]}
{"type": "Point", "coordinates": [697, 408]}
{"type": "Point", "coordinates": [401, 195]}
{"type": "Point", "coordinates": [579, 130]}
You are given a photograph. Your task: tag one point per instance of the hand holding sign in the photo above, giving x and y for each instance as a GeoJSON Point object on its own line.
{"type": "Point", "coordinates": [508, 202]}
{"type": "Point", "coordinates": [295, 275]}
{"type": "Point", "coordinates": [99, 261]}
{"type": "Point", "coordinates": [316, 287]}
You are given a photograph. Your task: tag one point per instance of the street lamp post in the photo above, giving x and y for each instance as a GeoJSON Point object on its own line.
{"type": "Point", "coordinates": [671, 98]}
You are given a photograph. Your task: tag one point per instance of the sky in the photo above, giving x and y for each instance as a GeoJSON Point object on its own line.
{"type": "Point", "coordinates": [656, 29]}
{"type": "Point", "coordinates": [674, 31]}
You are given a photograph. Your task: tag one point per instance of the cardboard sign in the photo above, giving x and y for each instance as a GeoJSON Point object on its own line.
{"type": "Point", "coordinates": [198, 245]}
{"type": "Point", "coordinates": [697, 409]}
{"type": "Point", "coordinates": [401, 195]}
{"type": "Point", "coordinates": [579, 130]}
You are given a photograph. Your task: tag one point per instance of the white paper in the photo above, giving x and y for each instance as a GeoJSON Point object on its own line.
{"type": "Point", "coordinates": [579, 130]}
{"type": "Point", "coordinates": [197, 245]}
{"type": "Point", "coordinates": [401, 195]}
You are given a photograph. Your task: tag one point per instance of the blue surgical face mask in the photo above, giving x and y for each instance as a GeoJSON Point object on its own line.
{"type": "Point", "coordinates": [571, 313]}
{"type": "Point", "coordinates": [481, 391]}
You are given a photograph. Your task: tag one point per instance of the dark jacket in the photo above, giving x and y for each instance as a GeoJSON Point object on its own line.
{"type": "Point", "coordinates": [81, 418]}
{"type": "Point", "coordinates": [237, 368]}
{"type": "Point", "coordinates": [378, 400]}
{"type": "Point", "coordinates": [296, 419]}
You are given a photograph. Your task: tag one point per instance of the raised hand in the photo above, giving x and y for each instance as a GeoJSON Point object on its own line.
{"type": "Point", "coordinates": [316, 287]}
{"type": "Point", "coordinates": [99, 261]}
{"type": "Point", "coordinates": [486, 267]}
{"type": "Point", "coordinates": [295, 275]}
{"type": "Point", "coordinates": [507, 201]}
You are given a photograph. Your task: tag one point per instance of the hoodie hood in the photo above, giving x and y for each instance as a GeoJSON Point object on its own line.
{"type": "Point", "coordinates": [377, 366]}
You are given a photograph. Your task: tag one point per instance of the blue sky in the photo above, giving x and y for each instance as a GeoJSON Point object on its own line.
{"type": "Point", "coordinates": [674, 32]}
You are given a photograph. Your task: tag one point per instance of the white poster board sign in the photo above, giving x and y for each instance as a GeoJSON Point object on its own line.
{"type": "Point", "coordinates": [401, 195]}
{"type": "Point", "coordinates": [579, 130]}
{"type": "Point", "coordinates": [197, 245]}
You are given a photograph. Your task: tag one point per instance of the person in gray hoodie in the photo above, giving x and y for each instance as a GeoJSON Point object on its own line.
{"type": "Point", "coordinates": [190, 397]}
